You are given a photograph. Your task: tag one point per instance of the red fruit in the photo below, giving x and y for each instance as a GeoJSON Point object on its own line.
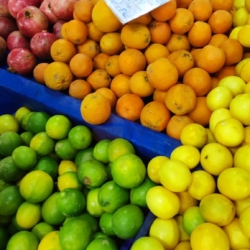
{"type": "Point", "coordinates": [17, 40]}
{"type": "Point", "coordinates": [63, 9]}
{"type": "Point", "coordinates": [57, 28]}
{"type": "Point", "coordinates": [46, 9]}
{"type": "Point", "coordinates": [4, 11]}
{"type": "Point", "coordinates": [7, 25]}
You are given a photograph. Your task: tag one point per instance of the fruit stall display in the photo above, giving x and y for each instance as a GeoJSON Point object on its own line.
{"type": "Point", "coordinates": [171, 88]}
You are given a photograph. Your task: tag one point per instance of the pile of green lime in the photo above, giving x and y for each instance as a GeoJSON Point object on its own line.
{"type": "Point", "coordinates": [60, 188]}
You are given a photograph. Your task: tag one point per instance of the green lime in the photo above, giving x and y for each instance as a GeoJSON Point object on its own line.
{"type": "Point", "coordinates": [42, 144]}
{"type": "Point", "coordinates": [21, 112]}
{"type": "Point", "coordinates": [10, 200]}
{"type": "Point", "coordinates": [58, 127]}
{"type": "Point", "coordinates": [100, 150]}
{"type": "Point", "coordinates": [68, 180]}
{"type": "Point", "coordinates": [4, 238]}
{"type": "Point", "coordinates": [8, 123]}
{"type": "Point", "coordinates": [65, 150]}
{"type": "Point", "coordinates": [128, 170]}
{"type": "Point", "coordinates": [119, 146]}
{"type": "Point", "coordinates": [80, 137]}
{"type": "Point", "coordinates": [41, 229]}
{"type": "Point", "coordinates": [8, 170]}
{"type": "Point", "coordinates": [23, 240]}
{"type": "Point", "coordinates": [127, 221]}
{"type": "Point", "coordinates": [84, 155]}
{"type": "Point", "coordinates": [102, 243]}
{"type": "Point", "coordinates": [111, 196]}
{"type": "Point", "coordinates": [9, 140]}
{"type": "Point", "coordinates": [5, 220]}
{"type": "Point", "coordinates": [92, 173]}
{"type": "Point", "coordinates": [37, 122]}
{"type": "Point", "coordinates": [92, 205]}
{"type": "Point", "coordinates": [99, 234]}
{"type": "Point", "coordinates": [26, 136]}
{"type": "Point", "coordinates": [105, 224]}
{"type": "Point", "coordinates": [71, 202]}
{"type": "Point", "coordinates": [48, 165]}
{"type": "Point", "coordinates": [138, 194]}
{"type": "Point", "coordinates": [36, 186]}
{"type": "Point", "coordinates": [50, 211]}
{"type": "Point", "coordinates": [24, 120]}
{"type": "Point", "coordinates": [24, 157]}
{"type": "Point", "coordinates": [3, 185]}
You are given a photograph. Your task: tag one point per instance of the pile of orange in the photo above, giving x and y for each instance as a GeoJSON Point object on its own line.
{"type": "Point", "coordinates": [156, 69]}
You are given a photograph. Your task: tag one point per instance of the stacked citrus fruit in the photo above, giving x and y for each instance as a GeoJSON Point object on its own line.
{"type": "Point", "coordinates": [61, 189]}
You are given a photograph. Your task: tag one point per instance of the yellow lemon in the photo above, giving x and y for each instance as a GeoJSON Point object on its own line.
{"type": "Point", "coordinates": [153, 167]}
{"type": "Point", "coordinates": [244, 73]}
{"type": "Point", "coordinates": [50, 241]}
{"type": "Point", "coordinates": [66, 166]}
{"type": "Point", "coordinates": [147, 243]}
{"type": "Point", "coordinates": [229, 132]}
{"type": "Point", "coordinates": [234, 33]}
{"type": "Point", "coordinates": [175, 175]}
{"type": "Point", "coordinates": [247, 87]}
{"type": "Point", "coordinates": [183, 235]}
{"type": "Point", "coordinates": [21, 112]}
{"type": "Point", "coordinates": [186, 201]}
{"type": "Point", "coordinates": [166, 231]}
{"type": "Point", "coordinates": [240, 17]}
{"type": "Point", "coordinates": [243, 36]}
{"type": "Point", "coordinates": [240, 205]}
{"type": "Point", "coordinates": [242, 158]}
{"type": "Point", "coordinates": [239, 4]}
{"type": "Point", "coordinates": [244, 221]}
{"type": "Point", "coordinates": [239, 66]}
{"type": "Point", "coordinates": [162, 202]}
{"type": "Point", "coordinates": [187, 154]}
{"type": "Point", "coordinates": [69, 180]}
{"type": "Point", "coordinates": [202, 184]}
{"type": "Point", "coordinates": [185, 245]}
{"type": "Point", "coordinates": [194, 134]}
{"type": "Point", "coordinates": [210, 136]}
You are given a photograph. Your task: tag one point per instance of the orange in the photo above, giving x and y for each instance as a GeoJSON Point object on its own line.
{"type": "Point", "coordinates": [112, 66]}
{"type": "Point", "coordinates": [99, 78]}
{"type": "Point", "coordinates": [177, 42]}
{"type": "Point", "coordinates": [183, 3]}
{"type": "Point", "coordinates": [162, 74]}
{"type": "Point", "coordinates": [176, 125]}
{"type": "Point", "coordinates": [182, 21]}
{"type": "Point", "coordinates": [199, 80]}
{"type": "Point", "coordinates": [201, 9]}
{"type": "Point", "coordinates": [222, 5]}
{"type": "Point", "coordinates": [155, 116]}
{"type": "Point", "coordinates": [182, 60]}
{"type": "Point", "coordinates": [201, 113]}
{"type": "Point", "coordinates": [165, 11]}
{"type": "Point", "coordinates": [129, 106]}
{"type": "Point", "coordinates": [225, 71]}
{"type": "Point", "coordinates": [100, 61]}
{"type": "Point", "coordinates": [62, 50]}
{"type": "Point", "coordinates": [93, 32]}
{"type": "Point", "coordinates": [159, 95]}
{"type": "Point", "coordinates": [195, 53]}
{"type": "Point", "coordinates": [109, 94]}
{"type": "Point", "coordinates": [155, 51]}
{"type": "Point", "coordinates": [120, 85]}
{"type": "Point", "coordinates": [160, 31]}
{"type": "Point", "coordinates": [95, 108]}
{"type": "Point", "coordinates": [220, 21]}
{"type": "Point", "coordinates": [81, 65]}
{"type": "Point", "coordinates": [83, 10]}
{"type": "Point", "coordinates": [89, 47]}
{"type": "Point", "coordinates": [79, 88]}
{"type": "Point", "coordinates": [58, 76]}
{"type": "Point", "coordinates": [143, 19]}
{"type": "Point", "coordinates": [211, 58]}
{"type": "Point", "coordinates": [217, 39]}
{"type": "Point", "coordinates": [131, 61]}
{"type": "Point", "coordinates": [38, 72]}
{"type": "Point", "coordinates": [194, 37]}
{"type": "Point", "coordinates": [180, 99]}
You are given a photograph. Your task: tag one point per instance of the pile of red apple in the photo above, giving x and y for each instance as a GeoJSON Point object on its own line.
{"type": "Point", "coordinates": [28, 28]}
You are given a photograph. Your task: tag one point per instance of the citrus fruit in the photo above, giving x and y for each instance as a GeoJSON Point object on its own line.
{"type": "Point", "coordinates": [50, 241]}
{"type": "Point", "coordinates": [127, 220]}
{"type": "Point", "coordinates": [100, 150]}
{"type": "Point", "coordinates": [8, 123]}
{"type": "Point", "coordinates": [36, 186]}
{"type": "Point", "coordinates": [21, 112]}
{"type": "Point", "coordinates": [37, 122]}
{"type": "Point", "coordinates": [244, 221]}
{"type": "Point", "coordinates": [240, 205]}
{"type": "Point", "coordinates": [64, 149]}
{"type": "Point", "coordinates": [84, 155]}
{"type": "Point", "coordinates": [26, 136]}
{"type": "Point", "coordinates": [4, 185]}
{"type": "Point", "coordinates": [68, 180]}
{"type": "Point", "coordinates": [41, 229]}
{"type": "Point", "coordinates": [66, 166]}
{"type": "Point", "coordinates": [243, 33]}
{"type": "Point", "coordinates": [186, 201]}
{"type": "Point", "coordinates": [24, 120]}
{"type": "Point", "coordinates": [106, 243]}
{"type": "Point", "coordinates": [111, 196]}
{"type": "Point", "coordinates": [4, 237]}
{"type": "Point", "coordinates": [128, 170]}
{"type": "Point", "coordinates": [183, 235]}
{"type": "Point", "coordinates": [240, 17]}
{"type": "Point", "coordinates": [92, 205]}
{"type": "Point", "coordinates": [241, 158]}
{"type": "Point", "coordinates": [105, 223]}
{"type": "Point", "coordinates": [183, 245]}
{"type": "Point", "coordinates": [147, 243]}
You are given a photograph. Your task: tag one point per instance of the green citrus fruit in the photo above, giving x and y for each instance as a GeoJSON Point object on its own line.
{"type": "Point", "coordinates": [3, 185]}
{"type": "Point", "coordinates": [68, 180]}
{"type": "Point", "coordinates": [92, 205]}
{"type": "Point", "coordinates": [106, 224]}
{"type": "Point", "coordinates": [21, 112]}
{"type": "Point", "coordinates": [100, 150]}
{"type": "Point", "coordinates": [99, 234]}
{"type": "Point", "coordinates": [37, 122]}
{"type": "Point", "coordinates": [24, 120]}
{"type": "Point", "coordinates": [65, 150]}
{"type": "Point", "coordinates": [84, 155]}
{"type": "Point", "coordinates": [41, 229]}
{"type": "Point", "coordinates": [147, 243]}
{"type": "Point", "coordinates": [26, 136]}
{"type": "Point", "coordinates": [111, 196]}
{"type": "Point", "coordinates": [8, 123]}
{"type": "Point", "coordinates": [102, 243]}
{"type": "Point", "coordinates": [36, 186]}
{"type": "Point", "coordinates": [4, 238]}
{"type": "Point", "coordinates": [50, 241]}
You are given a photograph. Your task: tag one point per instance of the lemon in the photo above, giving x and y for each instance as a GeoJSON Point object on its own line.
{"type": "Point", "coordinates": [66, 166]}
{"type": "Point", "coordinates": [185, 245]}
{"type": "Point", "coordinates": [239, 4]}
{"type": "Point", "coordinates": [175, 175]}
{"type": "Point", "coordinates": [21, 112]}
{"type": "Point", "coordinates": [244, 73]}
{"type": "Point", "coordinates": [219, 97]}
{"type": "Point", "coordinates": [50, 241]}
{"type": "Point", "coordinates": [237, 239]}
{"type": "Point", "coordinates": [210, 136]}
{"type": "Point", "coordinates": [194, 134]}
{"type": "Point", "coordinates": [68, 180]}
{"type": "Point", "coordinates": [187, 154]}
{"type": "Point", "coordinates": [202, 184]}
{"type": "Point", "coordinates": [215, 158]}
{"type": "Point", "coordinates": [183, 235]}
{"type": "Point", "coordinates": [8, 123]}
{"type": "Point", "coordinates": [166, 231]}
{"type": "Point", "coordinates": [234, 33]}
{"type": "Point", "coordinates": [243, 36]}
{"type": "Point", "coordinates": [244, 221]}
{"type": "Point", "coordinates": [240, 205]}
{"type": "Point", "coordinates": [240, 17]}
{"type": "Point", "coordinates": [162, 202]}
{"type": "Point", "coordinates": [186, 201]}
{"type": "Point", "coordinates": [239, 66]}
{"type": "Point", "coordinates": [147, 243]}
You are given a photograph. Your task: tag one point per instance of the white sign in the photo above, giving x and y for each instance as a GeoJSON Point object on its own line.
{"type": "Point", "coordinates": [127, 10]}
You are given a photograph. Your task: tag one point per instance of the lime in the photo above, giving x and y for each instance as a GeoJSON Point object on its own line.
{"type": "Point", "coordinates": [23, 240]}
{"type": "Point", "coordinates": [99, 234]}
{"type": "Point", "coordinates": [50, 211]}
{"type": "Point", "coordinates": [48, 165]}
{"type": "Point", "coordinates": [3, 185]}
{"type": "Point", "coordinates": [111, 196]}
{"type": "Point", "coordinates": [21, 112]}
{"type": "Point", "coordinates": [65, 150]}
{"type": "Point", "coordinates": [71, 202]}
{"type": "Point", "coordinates": [128, 170]}
{"type": "Point", "coordinates": [138, 194]}
{"type": "Point", "coordinates": [92, 173]}
{"type": "Point", "coordinates": [10, 200]}
{"type": "Point", "coordinates": [84, 155]}
{"type": "Point", "coordinates": [36, 186]}
{"type": "Point", "coordinates": [127, 221]}
{"type": "Point", "coordinates": [80, 137]}
{"type": "Point", "coordinates": [9, 140]}
{"type": "Point", "coordinates": [42, 144]}
{"type": "Point", "coordinates": [28, 215]}
{"type": "Point", "coordinates": [24, 120]}
{"type": "Point", "coordinates": [26, 136]}
{"type": "Point", "coordinates": [100, 150]}
{"type": "Point", "coordinates": [24, 157]}
{"type": "Point", "coordinates": [105, 223]}
{"type": "Point", "coordinates": [66, 166]}
{"type": "Point", "coordinates": [58, 127]}
{"type": "Point", "coordinates": [76, 234]}
{"type": "Point", "coordinates": [92, 205]}
{"type": "Point", "coordinates": [119, 146]}
{"type": "Point", "coordinates": [37, 122]}
{"type": "Point", "coordinates": [102, 243]}
{"type": "Point", "coordinates": [68, 180]}
{"type": "Point", "coordinates": [50, 241]}
{"type": "Point", "coordinates": [4, 238]}
{"type": "Point", "coordinates": [147, 243]}
{"type": "Point", "coordinates": [8, 123]}
{"type": "Point", "coordinates": [41, 229]}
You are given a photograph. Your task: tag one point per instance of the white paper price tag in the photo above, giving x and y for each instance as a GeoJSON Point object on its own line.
{"type": "Point", "coordinates": [127, 10]}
